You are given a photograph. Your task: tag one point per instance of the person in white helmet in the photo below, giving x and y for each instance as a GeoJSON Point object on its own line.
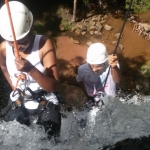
{"type": "Point", "coordinates": [34, 95]}
{"type": "Point", "coordinates": [92, 76]}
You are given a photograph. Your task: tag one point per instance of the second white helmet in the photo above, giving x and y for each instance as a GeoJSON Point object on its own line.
{"type": "Point", "coordinates": [97, 54]}
{"type": "Point", "coordinates": [22, 20]}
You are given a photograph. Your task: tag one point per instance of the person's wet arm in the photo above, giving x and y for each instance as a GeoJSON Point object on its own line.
{"type": "Point", "coordinates": [3, 63]}
{"type": "Point", "coordinates": [49, 80]}
{"type": "Point", "coordinates": [82, 86]}
{"type": "Point", "coordinates": [115, 71]}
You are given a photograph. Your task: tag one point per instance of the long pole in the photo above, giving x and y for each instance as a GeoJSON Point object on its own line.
{"type": "Point", "coordinates": [16, 51]}
{"type": "Point", "coordinates": [115, 51]}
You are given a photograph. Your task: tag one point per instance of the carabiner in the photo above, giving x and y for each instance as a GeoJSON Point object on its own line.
{"type": "Point", "coordinates": [20, 76]}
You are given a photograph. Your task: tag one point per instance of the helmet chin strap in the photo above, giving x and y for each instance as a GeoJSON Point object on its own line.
{"type": "Point", "coordinates": [12, 28]}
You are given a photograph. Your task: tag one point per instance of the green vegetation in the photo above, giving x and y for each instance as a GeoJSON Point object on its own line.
{"type": "Point", "coordinates": [139, 5]}
{"type": "Point", "coordinates": [146, 70]}
{"type": "Point", "coordinates": [86, 2]}
{"type": "Point", "coordinates": [66, 24]}
{"type": "Point", "coordinates": [39, 27]}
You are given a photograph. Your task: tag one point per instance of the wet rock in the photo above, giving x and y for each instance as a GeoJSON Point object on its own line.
{"type": "Point", "coordinates": [107, 27]}
{"type": "Point", "coordinates": [117, 35]}
{"type": "Point", "coordinates": [78, 31]}
{"type": "Point", "coordinates": [98, 27]}
{"type": "Point", "coordinates": [91, 23]}
{"type": "Point", "coordinates": [88, 43]}
{"type": "Point", "coordinates": [84, 28]}
{"type": "Point", "coordinates": [105, 17]}
{"type": "Point", "coordinates": [99, 17]}
{"type": "Point", "coordinates": [75, 41]}
{"type": "Point", "coordinates": [62, 28]}
{"type": "Point", "coordinates": [146, 26]}
{"type": "Point", "coordinates": [89, 14]}
{"type": "Point", "coordinates": [143, 82]}
{"type": "Point", "coordinates": [87, 19]}
{"type": "Point", "coordinates": [83, 20]}
{"type": "Point", "coordinates": [132, 17]}
{"type": "Point", "coordinates": [102, 21]}
{"type": "Point", "coordinates": [73, 29]}
{"type": "Point", "coordinates": [92, 28]}
{"type": "Point", "coordinates": [83, 32]}
{"type": "Point", "coordinates": [94, 19]}
{"type": "Point", "coordinates": [79, 25]}
{"type": "Point", "coordinates": [120, 45]}
{"type": "Point", "coordinates": [91, 32]}
{"type": "Point", "coordinates": [96, 32]}
{"type": "Point", "coordinates": [145, 33]}
{"type": "Point", "coordinates": [138, 87]}
{"type": "Point", "coordinates": [114, 42]}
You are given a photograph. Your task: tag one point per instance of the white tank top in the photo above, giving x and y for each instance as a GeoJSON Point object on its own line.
{"type": "Point", "coordinates": [33, 58]}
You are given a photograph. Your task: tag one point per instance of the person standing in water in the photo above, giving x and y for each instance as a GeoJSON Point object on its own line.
{"type": "Point", "coordinates": [34, 94]}
{"type": "Point", "coordinates": [92, 75]}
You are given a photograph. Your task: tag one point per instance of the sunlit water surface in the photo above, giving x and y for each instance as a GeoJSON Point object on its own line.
{"type": "Point", "coordinates": [83, 130]}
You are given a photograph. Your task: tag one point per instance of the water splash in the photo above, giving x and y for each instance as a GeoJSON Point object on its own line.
{"type": "Point", "coordinates": [83, 130]}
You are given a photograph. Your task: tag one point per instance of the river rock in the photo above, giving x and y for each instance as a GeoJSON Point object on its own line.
{"type": "Point", "coordinates": [107, 27]}
{"type": "Point", "coordinates": [117, 35]}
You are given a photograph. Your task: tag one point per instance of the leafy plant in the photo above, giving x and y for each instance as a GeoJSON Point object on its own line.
{"type": "Point", "coordinates": [139, 5]}
{"type": "Point", "coordinates": [86, 2]}
{"type": "Point", "coordinates": [66, 24]}
{"type": "Point", "coordinates": [39, 27]}
{"type": "Point", "coordinates": [146, 70]}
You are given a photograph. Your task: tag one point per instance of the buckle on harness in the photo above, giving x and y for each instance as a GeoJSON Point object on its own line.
{"type": "Point", "coordinates": [49, 104]}
{"type": "Point", "coordinates": [16, 104]}
{"type": "Point", "coordinates": [15, 97]}
{"type": "Point", "coordinates": [98, 98]}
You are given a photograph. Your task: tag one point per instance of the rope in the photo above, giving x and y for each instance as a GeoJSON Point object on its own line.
{"type": "Point", "coordinates": [16, 51]}
{"type": "Point", "coordinates": [21, 76]}
{"type": "Point", "coordinates": [12, 29]}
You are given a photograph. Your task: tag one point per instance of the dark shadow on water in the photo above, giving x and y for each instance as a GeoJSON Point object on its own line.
{"type": "Point", "coordinates": [142, 143]}
{"type": "Point", "coordinates": [130, 70]}
{"type": "Point", "coordinates": [5, 90]}
{"type": "Point", "coordinates": [67, 69]}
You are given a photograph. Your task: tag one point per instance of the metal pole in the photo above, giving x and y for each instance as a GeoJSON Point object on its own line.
{"type": "Point", "coordinates": [115, 51]}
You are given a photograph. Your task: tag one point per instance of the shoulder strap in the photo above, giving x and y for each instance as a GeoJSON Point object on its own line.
{"type": "Point", "coordinates": [36, 42]}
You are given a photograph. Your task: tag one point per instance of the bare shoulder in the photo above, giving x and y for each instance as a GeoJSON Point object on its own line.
{"type": "Point", "coordinates": [45, 44]}
{"type": "Point", "coordinates": [48, 57]}
{"type": "Point", "coordinates": [47, 52]}
{"type": "Point", "coordinates": [3, 48]}
{"type": "Point", "coordinates": [3, 53]}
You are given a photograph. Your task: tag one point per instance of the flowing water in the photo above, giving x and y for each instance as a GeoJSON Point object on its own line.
{"type": "Point", "coordinates": [124, 122]}
{"type": "Point", "coordinates": [87, 129]}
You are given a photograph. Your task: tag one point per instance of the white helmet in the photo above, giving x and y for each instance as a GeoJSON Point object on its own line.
{"type": "Point", "coordinates": [22, 20]}
{"type": "Point", "coordinates": [97, 54]}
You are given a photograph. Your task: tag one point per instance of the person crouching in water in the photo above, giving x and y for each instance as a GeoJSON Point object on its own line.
{"type": "Point", "coordinates": [92, 76]}
{"type": "Point", "coordinates": [37, 68]}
